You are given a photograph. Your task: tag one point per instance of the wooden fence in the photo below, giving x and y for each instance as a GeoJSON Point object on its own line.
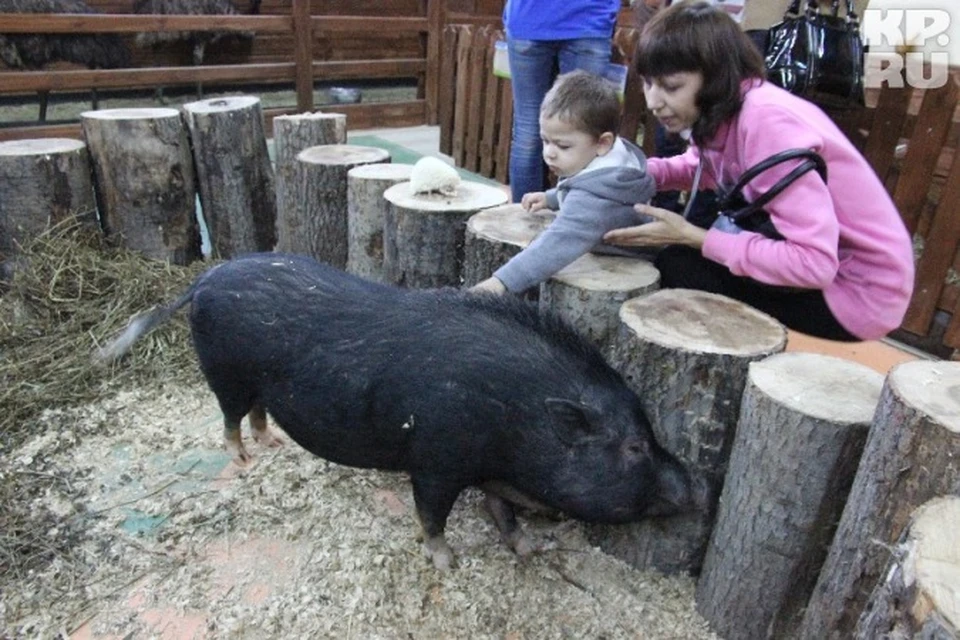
{"type": "Point", "coordinates": [910, 136]}
{"type": "Point", "coordinates": [360, 40]}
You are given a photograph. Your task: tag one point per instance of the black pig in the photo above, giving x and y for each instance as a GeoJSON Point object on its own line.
{"type": "Point", "coordinates": [458, 389]}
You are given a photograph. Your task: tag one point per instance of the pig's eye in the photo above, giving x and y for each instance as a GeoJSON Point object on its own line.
{"type": "Point", "coordinates": [638, 448]}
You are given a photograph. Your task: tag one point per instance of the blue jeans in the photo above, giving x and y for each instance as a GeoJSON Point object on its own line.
{"type": "Point", "coordinates": [534, 65]}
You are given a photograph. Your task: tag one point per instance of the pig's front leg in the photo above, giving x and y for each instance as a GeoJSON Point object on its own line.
{"type": "Point", "coordinates": [506, 520]}
{"type": "Point", "coordinates": [434, 500]}
{"type": "Point", "coordinates": [262, 433]}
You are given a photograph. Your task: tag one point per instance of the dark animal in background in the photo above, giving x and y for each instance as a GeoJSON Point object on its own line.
{"type": "Point", "coordinates": [35, 51]}
{"type": "Point", "coordinates": [198, 40]}
{"type": "Point", "coordinates": [458, 389]}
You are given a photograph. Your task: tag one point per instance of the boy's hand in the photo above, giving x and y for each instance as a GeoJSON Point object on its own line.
{"type": "Point", "coordinates": [491, 285]}
{"type": "Point", "coordinates": [534, 201]}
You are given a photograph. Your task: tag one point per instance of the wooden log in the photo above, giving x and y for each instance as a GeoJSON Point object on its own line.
{"type": "Point", "coordinates": [314, 207]}
{"type": "Point", "coordinates": [43, 182]}
{"type": "Point", "coordinates": [917, 597]}
{"type": "Point", "coordinates": [686, 354]}
{"type": "Point", "coordinates": [424, 233]}
{"type": "Point", "coordinates": [495, 235]}
{"type": "Point", "coordinates": [803, 423]}
{"type": "Point", "coordinates": [366, 212]}
{"type": "Point", "coordinates": [144, 181]}
{"type": "Point", "coordinates": [912, 455]}
{"type": "Point", "coordinates": [589, 293]}
{"type": "Point", "coordinates": [234, 174]}
{"type": "Point", "coordinates": [294, 133]}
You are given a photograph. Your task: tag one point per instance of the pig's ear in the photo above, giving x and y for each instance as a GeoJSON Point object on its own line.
{"type": "Point", "coordinates": [573, 421]}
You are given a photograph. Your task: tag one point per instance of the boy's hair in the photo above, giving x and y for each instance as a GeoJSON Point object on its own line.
{"type": "Point", "coordinates": [696, 36]}
{"type": "Point", "coordinates": [587, 102]}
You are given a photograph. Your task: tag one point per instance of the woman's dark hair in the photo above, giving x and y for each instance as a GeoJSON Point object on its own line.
{"type": "Point", "coordinates": [695, 36]}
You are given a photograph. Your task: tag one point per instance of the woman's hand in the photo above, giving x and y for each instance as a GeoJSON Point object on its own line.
{"type": "Point", "coordinates": [666, 228]}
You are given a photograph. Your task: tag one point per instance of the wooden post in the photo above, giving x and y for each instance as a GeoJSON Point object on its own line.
{"type": "Point", "coordinates": [589, 293]}
{"type": "Point", "coordinates": [423, 234]}
{"type": "Point", "coordinates": [144, 181]}
{"type": "Point", "coordinates": [303, 53]}
{"type": "Point", "coordinates": [314, 220]}
{"type": "Point", "coordinates": [803, 422]}
{"type": "Point", "coordinates": [42, 182]}
{"type": "Point", "coordinates": [234, 174]}
{"type": "Point", "coordinates": [366, 213]}
{"type": "Point", "coordinates": [917, 597]}
{"type": "Point", "coordinates": [686, 355]}
{"type": "Point", "coordinates": [912, 455]}
{"type": "Point", "coordinates": [495, 235]}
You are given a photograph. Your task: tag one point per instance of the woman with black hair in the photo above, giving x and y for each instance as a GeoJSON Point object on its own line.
{"type": "Point", "coordinates": [840, 263]}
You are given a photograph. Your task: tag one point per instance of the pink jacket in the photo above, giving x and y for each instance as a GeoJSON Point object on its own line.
{"type": "Point", "coordinates": [845, 238]}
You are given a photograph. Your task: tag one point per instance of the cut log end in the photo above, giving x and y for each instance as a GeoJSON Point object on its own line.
{"type": "Point", "coordinates": [144, 113]}
{"type": "Point", "coordinates": [921, 383]}
{"type": "Point", "coordinates": [471, 196]}
{"type": "Point", "coordinates": [343, 154]}
{"type": "Point", "coordinates": [825, 387]}
{"type": "Point", "coordinates": [509, 224]}
{"type": "Point", "coordinates": [593, 272]}
{"type": "Point", "coordinates": [217, 105]}
{"type": "Point", "coordinates": [696, 321]}
{"type": "Point", "coordinates": [40, 146]}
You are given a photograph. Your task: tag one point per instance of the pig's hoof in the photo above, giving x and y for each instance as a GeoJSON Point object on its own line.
{"type": "Point", "coordinates": [439, 552]}
{"type": "Point", "coordinates": [267, 437]}
{"type": "Point", "coordinates": [521, 544]}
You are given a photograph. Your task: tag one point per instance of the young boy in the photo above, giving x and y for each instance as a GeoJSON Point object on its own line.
{"type": "Point", "coordinates": [601, 176]}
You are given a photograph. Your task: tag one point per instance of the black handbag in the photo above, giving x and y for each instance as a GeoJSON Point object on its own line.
{"type": "Point", "coordinates": [735, 213]}
{"type": "Point", "coordinates": [816, 55]}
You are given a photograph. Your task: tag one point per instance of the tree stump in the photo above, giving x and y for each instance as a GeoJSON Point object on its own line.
{"type": "Point", "coordinates": [144, 181]}
{"type": "Point", "coordinates": [42, 182]}
{"type": "Point", "coordinates": [912, 455]}
{"type": "Point", "coordinates": [314, 207]}
{"type": "Point", "coordinates": [495, 235]}
{"type": "Point", "coordinates": [589, 293]}
{"type": "Point", "coordinates": [366, 213]}
{"type": "Point", "coordinates": [686, 354]}
{"type": "Point", "coordinates": [424, 233]}
{"type": "Point", "coordinates": [234, 174]}
{"type": "Point", "coordinates": [294, 133]}
{"type": "Point", "coordinates": [917, 597]}
{"type": "Point", "coordinates": [803, 423]}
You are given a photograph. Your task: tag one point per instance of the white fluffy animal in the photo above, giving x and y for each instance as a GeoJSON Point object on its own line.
{"type": "Point", "coordinates": [433, 175]}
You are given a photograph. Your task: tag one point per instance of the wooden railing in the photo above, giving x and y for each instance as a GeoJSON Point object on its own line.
{"type": "Point", "coordinates": [304, 63]}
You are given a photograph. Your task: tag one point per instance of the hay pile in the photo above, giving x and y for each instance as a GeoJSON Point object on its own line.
{"type": "Point", "coordinates": [121, 520]}
{"type": "Point", "coordinates": [70, 293]}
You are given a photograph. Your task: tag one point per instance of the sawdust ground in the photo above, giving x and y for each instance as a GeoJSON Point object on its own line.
{"type": "Point", "coordinates": [177, 543]}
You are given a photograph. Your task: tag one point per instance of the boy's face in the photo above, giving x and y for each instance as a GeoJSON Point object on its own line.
{"type": "Point", "coordinates": [567, 150]}
{"type": "Point", "coordinates": [673, 99]}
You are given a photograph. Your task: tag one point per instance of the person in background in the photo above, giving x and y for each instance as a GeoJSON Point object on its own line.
{"type": "Point", "coordinates": [843, 269]}
{"type": "Point", "coordinates": [600, 175]}
{"type": "Point", "coordinates": [545, 38]}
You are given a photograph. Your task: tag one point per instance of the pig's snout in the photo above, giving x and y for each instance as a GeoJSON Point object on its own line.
{"type": "Point", "coordinates": [680, 491]}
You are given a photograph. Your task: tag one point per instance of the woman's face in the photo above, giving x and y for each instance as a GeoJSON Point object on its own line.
{"type": "Point", "coordinates": [673, 99]}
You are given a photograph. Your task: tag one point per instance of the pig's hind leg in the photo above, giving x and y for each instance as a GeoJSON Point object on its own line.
{"type": "Point", "coordinates": [434, 501]}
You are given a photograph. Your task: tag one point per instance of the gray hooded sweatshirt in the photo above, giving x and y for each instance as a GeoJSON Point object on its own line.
{"type": "Point", "coordinates": [598, 199]}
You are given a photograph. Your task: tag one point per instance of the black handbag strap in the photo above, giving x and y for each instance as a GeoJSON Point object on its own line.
{"type": "Point", "coordinates": [812, 161]}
